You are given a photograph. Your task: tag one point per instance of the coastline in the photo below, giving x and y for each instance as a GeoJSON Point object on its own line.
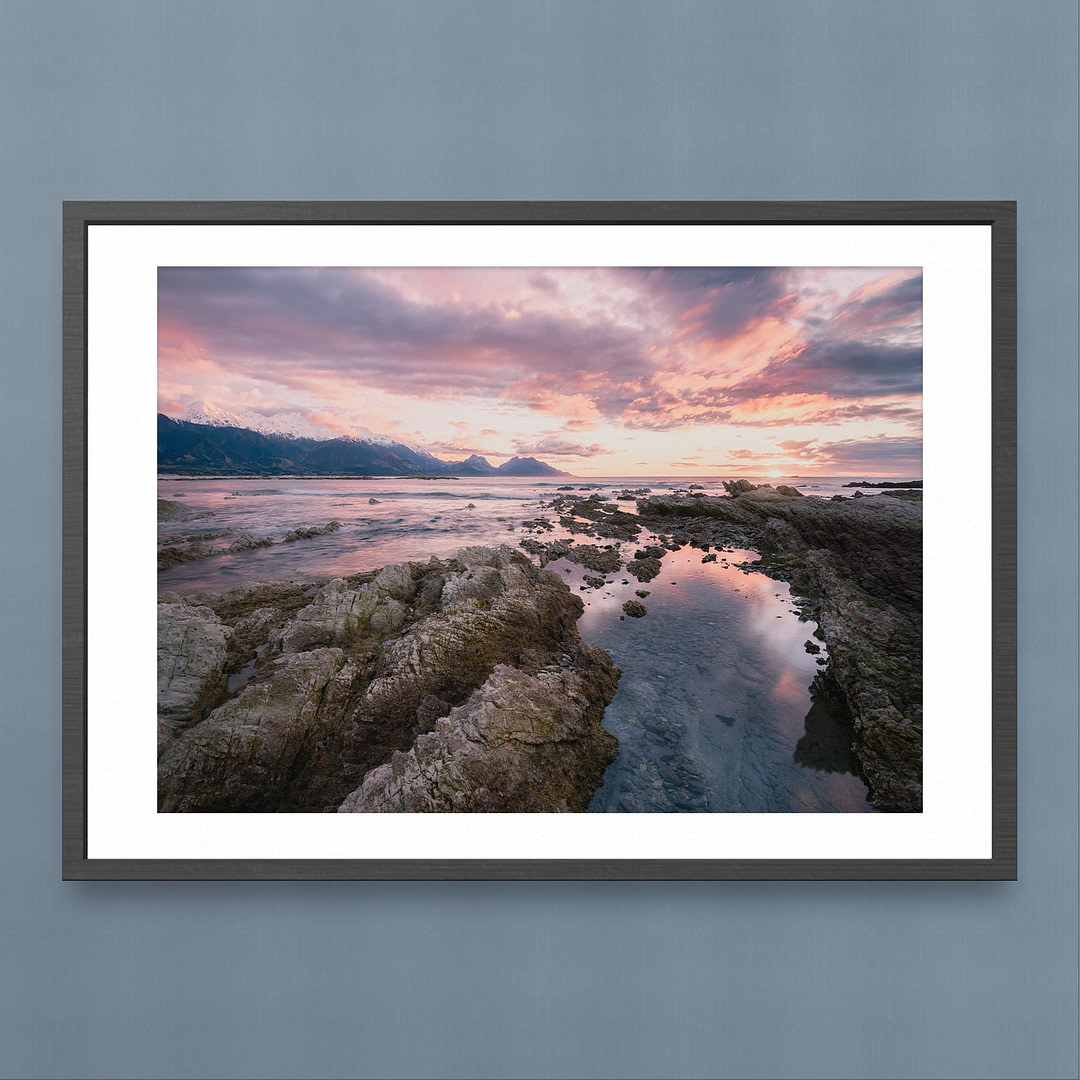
{"type": "Point", "coordinates": [853, 562]}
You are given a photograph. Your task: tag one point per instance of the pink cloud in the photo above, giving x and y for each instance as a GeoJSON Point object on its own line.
{"type": "Point", "coordinates": [655, 349]}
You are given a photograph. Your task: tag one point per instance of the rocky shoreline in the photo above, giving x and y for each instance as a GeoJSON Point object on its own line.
{"type": "Point", "coordinates": [463, 684]}
{"type": "Point", "coordinates": [450, 685]}
{"type": "Point", "coordinates": [855, 564]}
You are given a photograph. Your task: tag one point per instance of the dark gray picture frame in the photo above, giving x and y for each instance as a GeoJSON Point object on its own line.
{"type": "Point", "coordinates": [1001, 216]}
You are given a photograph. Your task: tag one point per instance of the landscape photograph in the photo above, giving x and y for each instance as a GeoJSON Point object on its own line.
{"type": "Point", "coordinates": [539, 539]}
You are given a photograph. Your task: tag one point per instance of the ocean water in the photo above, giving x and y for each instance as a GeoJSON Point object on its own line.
{"type": "Point", "coordinates": [714, 711]}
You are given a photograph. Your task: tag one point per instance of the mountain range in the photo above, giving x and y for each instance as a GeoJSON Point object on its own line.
{"type": "Point", "coordinates": [209, 441]}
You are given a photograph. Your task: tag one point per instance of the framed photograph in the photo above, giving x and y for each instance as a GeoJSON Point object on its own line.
{"type": "Point", "coordinates": [539, 540]}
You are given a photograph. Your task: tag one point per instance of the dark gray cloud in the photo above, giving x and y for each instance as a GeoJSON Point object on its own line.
{"type": "Point", "coordinates": [902, 454]}
{"type": "Point", "coordinates": [896, 309]}
{"type": "Point", "coordinates": [716, 301]}
{"type": "Point", "coordinates": [841, 369]}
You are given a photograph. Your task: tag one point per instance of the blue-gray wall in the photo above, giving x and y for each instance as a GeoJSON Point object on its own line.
{"type": "Point", "coordinates": [317, 100]}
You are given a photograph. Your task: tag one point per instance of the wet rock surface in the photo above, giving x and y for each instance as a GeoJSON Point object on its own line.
{"type": "Point", "coordinates": [856, 564]}
{"type": "Point", "coordinates": [309, 532]}
{"type": "Point", "coordinates": [644, 569]}
{"type": "Point", "coordinates": [474, 662]}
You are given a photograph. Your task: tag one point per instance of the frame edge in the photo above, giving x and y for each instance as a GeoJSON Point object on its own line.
{"type": "Point", "coordinates": [1001, 215]}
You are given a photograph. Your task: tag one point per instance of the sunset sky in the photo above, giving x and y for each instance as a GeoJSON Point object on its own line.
{"type": "Point", "coordinates": [600, 371]}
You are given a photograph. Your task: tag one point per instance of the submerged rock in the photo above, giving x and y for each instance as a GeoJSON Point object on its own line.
{"type": "Point", "coordinates": [247, 542]}
{"type": "Point", "coordinates": [307, 533]}
{"type": "Point", "coordinates": [173, 554]}
{"type": "Point", "coordinates": [370, 664]}
{"type": "Point", "coordinates": [168, 510]}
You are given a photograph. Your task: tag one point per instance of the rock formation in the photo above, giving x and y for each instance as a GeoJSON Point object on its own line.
{"type": "Point", "coordinates": [521, 742]}
{"type": "Point", "coordinates": [191, 656]}
{"type": "Point", "coordinates": [465, 679]}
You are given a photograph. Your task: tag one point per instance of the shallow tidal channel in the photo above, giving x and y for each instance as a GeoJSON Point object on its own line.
{"type": "Point", "coordinates": [714, 711]}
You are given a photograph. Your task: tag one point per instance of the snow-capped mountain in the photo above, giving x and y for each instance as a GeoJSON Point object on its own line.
{"type": "Point", "coordinates": [291, 425]}
{"type": "Point", "coordinates": [210, 441]}
{"type": "Point", "coordinates": [202, 412]}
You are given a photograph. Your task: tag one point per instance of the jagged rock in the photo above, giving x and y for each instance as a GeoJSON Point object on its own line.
{"type": "Point", "coordinates": [173, 554]}
{"type": "Point", "coordinates": [602, 560]}
{"type": "Point", "coordinates": [167, 510]}
{"type": "Point", "coordinates": [644, 569]}
{"type": "Point", "coordinates": [308, 533]}
{"type": "Point", "coordinates": [540, 524]}
{"type": "Point", "coordinates": [594, 582]}
{"type": "Point", "coordinates": [634, 609]}
{"type": "Point", "coordinates": [374, 502]}
{"type": "Point", "coordinates": [341, 614]}
{"type": "Point", "coordinates": [653, 551]}
{"type": "Point", "coordinates": [192, 644]}
{"type": "Point", "coordinates": [246, 542]}
{"type": "Point", "coordinates": [520, 743]}
{"type": "Point", "coordinates": [191, 548]}
{"type": "Point", "coordinates": [362, 666]}
{"type": "Point", "coordinates": [242, 755]}
{"type": "Point", "coordinates": [737, 487]}
{"type": "Point", "coordinates": [785, 489]}
{"type": "Point", "coordinates": [258, 622]}
{"type": "Point", "coordinates": [604, 518]}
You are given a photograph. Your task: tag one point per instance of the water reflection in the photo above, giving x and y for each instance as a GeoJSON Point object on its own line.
{"type": "Point", "coordinates": [826, 742]}
{"type": "Point", "coordinates": [713, 711]}
{"type": "Point", "coordinates": [714, 697]}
